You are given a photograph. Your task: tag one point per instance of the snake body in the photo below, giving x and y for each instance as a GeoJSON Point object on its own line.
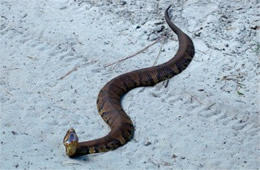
{"type": "Point", "coordinates": [109, 98]}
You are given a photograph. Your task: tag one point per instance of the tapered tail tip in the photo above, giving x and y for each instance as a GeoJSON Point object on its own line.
{"type": "Point", "coordinates": [168, 7]}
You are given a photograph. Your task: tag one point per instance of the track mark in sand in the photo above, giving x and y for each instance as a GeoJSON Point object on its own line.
{"type": "Point", "coordinates": [78, 6]}
{"type": "Point", "coordinates": [190, 101]}
{"type": "Point", "coordinates": [66, 50]}
{"type": "Point", "coordinates": [42, 52]}
{"type": "Point", "coordinates": [228, 116]}
{"type": "Point", "coordinates": [207, 108]}
{"type": "Point", "coordinates": [184, 104]}
{"type": "Point", "coordinates": [208, 111]}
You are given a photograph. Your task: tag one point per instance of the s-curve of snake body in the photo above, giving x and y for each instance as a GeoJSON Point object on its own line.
{"type": "Point", "coordinates": [109, 99]}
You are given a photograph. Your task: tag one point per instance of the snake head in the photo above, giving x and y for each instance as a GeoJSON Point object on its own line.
{"type": "Point", "coordinates": [70, 142]}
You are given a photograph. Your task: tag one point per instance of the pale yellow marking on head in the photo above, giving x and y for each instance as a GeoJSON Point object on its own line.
{"type": "Point", "coordinates": [70, 142]}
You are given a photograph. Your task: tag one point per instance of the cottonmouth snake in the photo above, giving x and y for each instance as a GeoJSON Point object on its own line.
{"type": "Point", "coordinates": [109, 99]}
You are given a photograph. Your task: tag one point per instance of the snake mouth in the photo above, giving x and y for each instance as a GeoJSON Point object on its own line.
{"type": "Point", "coordinates": [70, 142]}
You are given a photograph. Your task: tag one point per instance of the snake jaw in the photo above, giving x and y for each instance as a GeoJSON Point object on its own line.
{"type": "Point", "coordinates": [70, 142]}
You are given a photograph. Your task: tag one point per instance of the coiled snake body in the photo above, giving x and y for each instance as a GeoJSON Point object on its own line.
{"type": "Point", "coordinates": [109, 105]}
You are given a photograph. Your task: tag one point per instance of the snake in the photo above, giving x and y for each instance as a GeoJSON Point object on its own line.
{"type": "Point", "coordinates": [109, 98]}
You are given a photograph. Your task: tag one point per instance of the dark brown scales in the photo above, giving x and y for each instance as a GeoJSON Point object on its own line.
{"type": "Point", "coordinates": [109, 105]}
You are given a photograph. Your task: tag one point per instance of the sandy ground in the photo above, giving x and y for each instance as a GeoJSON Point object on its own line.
{"type": "Point", "coordinates": [53, 58]}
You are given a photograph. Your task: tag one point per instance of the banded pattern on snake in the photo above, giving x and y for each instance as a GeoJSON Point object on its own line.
{"type": "Point", "coordinates": [109, 98]}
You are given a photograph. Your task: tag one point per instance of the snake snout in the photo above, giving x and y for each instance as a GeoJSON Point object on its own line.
{"type": "Point", "coordinates": [70, 142]}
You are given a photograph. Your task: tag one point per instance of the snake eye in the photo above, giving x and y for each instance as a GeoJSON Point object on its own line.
{"type": "Point", "coordinates": [70, 142]}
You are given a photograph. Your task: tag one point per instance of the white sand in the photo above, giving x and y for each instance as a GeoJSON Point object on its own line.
{"type": "Point", "coordinates": [207, 117]}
